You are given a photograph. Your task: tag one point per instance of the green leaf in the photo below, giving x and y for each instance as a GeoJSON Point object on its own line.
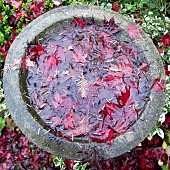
{"type": "Point", "coordinates": [164, 167]}
{"type": "Point", "coordinates": [2, 124]}
{"type": "Point", "coordinates": [160, 132]}
{"type": "Point", "coordinates": [59, 163]}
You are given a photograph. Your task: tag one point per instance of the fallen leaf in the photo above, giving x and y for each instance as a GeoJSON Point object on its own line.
{"type": "Point", "coordinates": [70, 120]}
{"type": "Point", "coordinates": [79, 22]}
{"type": "Point", "coordinates": [134, 31]}
{"type": "Point", "coordinates": [56, 121]}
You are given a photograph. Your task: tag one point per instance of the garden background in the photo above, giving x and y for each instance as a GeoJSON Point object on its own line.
{"type": "Point", "coordinates": [18, 153]}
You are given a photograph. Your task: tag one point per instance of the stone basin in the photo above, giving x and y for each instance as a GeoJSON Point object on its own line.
{"type": "Point", "coordinates": [30, 122]}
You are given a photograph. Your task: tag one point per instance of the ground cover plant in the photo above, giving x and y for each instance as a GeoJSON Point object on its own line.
{"type": "Point", "coordinates": [17, 152]}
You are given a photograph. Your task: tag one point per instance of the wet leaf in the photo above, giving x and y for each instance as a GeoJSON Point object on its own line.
{"type": "Point", "coordinates": [79, 22]}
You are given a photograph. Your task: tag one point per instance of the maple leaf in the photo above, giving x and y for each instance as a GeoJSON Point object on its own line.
{"type": "Point", "coordinates": [79, 22]}
{"type": "Point", "coordinates": [78, 55]}
{"type": "Point", "coordinates": [134, 31]}
{"type": "Point", "coordinates": [103, 135]}
{"type": "Point", "coordinates": [70, 120]}
{"type": "Point", "coordinates": [159, 85]}
{"type": "Point", "coordinates": [166, 40]}
{"type": "Point", "coordinates": [29, 63]}
{"type": "Point", "coordinates": [83, 128]}
{"type": "Point", "coordinates": [56, 121]}
{"type": "Point", "coordinates": [112, 21]}
{"type": "Point", "coordinates": [124, 97]}
{"type": "Point", "coordinates": [57, 100]}
{"type": "Point", "coordinates": [50, 63]}
{"type": "Point", "coordinates": [108, 109]}
{"type": "Point", "coordinates": [36, 51]}
{"type": "Point", "coordinates": [144, 67]}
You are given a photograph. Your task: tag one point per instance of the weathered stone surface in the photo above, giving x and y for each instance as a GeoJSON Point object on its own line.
{"type": "Point", "coordinates": [35, 129]}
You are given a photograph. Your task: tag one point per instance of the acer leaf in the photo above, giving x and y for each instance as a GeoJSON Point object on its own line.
{"type": "Point", "coordinates": [124, 97]}
{"type": "Point", "coordinates": [57, 100]}
{"type": "Point", "coordinates": [36, 51]}
{"type": "Point", "coordinates": [134, 31]}
{"type": "Point", "coordinates": [104, 135]}
{"type": "Point", "coordinates": [108, 109]}
{"type": "Point", "coordinates": [112, 21]}
{"type": "Point", "coordinates": [144, 67]}
{"type": "Point", "coordinates": [79, 22]}
{"type": "Point", "coordinates": [50, 63]}
{"type": "Point", "coordinates": [79, 56]}
{"type": "Point", "coordinates": [159, 85]}
{"type": "Point", "coordinates": [83, 128]}
{"type": "Point", "coordinates": [70, 120]}
{"type": "Point", "coordinates": [56, 121]}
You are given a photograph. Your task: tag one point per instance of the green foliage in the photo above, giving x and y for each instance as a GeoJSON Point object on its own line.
{"type": "Point", "coordinates": [2, 108]}
{"type": "Point", "coordinates": [5, 29]}
{"type": "Point", "coordinates": [79, 166]}
{"type": "Point", "coordinates": [49, 4]}
{"type": "Point", "coordinates": [59, 162]}
{"type": "Point", "coordinates": [2, 124]}
{"type": "Point", "coordinates": [102, 3]}
{"type": "Point", "coordinates": [164, 167]}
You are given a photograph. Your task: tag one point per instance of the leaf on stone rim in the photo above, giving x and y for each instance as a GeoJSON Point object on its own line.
{"type": "Point", "coordinates": [134, 31]}
{"type": "Point", "coordinates": [159, 85]}
{"type": "Point", "coordinates": [79, 22]}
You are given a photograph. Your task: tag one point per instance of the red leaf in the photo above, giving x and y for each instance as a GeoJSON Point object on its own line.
{"type": "Point", "coordinates": [36, 51]}
{"type": "Point", "coordinates": [159, 85]}
{"type": "Point", "coordinates": [144, 67]}
{"type": "Point", "coordinates": [111, 136]}
{"type": "Point", "coordinates": [167, 70]}
{"type": "Point", "coordinates": [56, 121]}
{"type": "Point", "coordinates": [79, 56]}
{"type": "Point", "coordinates": [79, 22]}
{"type": "Point", "coordinates": [103, 135]}
{"type": "Point", "coordinates": [50, 63]}
{"type": "Point", "coordinates": [108, 109]}
{"type": "Point", "coordinates": [166, 40]}
{"type": "Point", "coordinates": [112, 21]}
{"type": "Point", "coordinates": [134, 31]}
{"type": "Point", "coordinates": [115, 7]}
{"type": "Point", "coordinates": [124, 97]}
{"type": "Point", "coordinates": [83, 128]}
{"type": "Point", "coordinates": [57, 100]}
{"type": "Point", "coordinates": [70, 120]}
